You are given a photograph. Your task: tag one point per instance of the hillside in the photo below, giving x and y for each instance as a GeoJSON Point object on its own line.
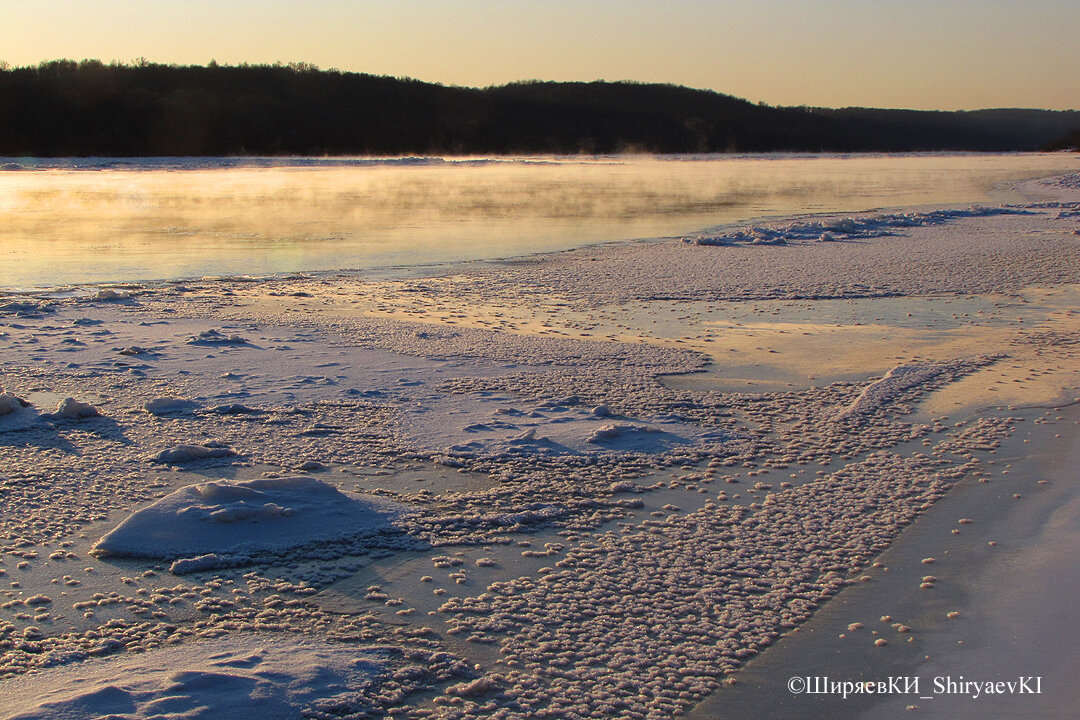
{"type": "Point", "coordinates": [67, 108]}
{"type": "Point", "coordinates": [1068, 142]}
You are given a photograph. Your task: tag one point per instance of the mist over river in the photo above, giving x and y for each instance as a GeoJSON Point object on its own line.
{"type": "Point", "coordinates": [85, 220]}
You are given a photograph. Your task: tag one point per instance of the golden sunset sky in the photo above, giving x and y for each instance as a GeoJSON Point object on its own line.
{"type": "Point", "coordinates": [924, 54]}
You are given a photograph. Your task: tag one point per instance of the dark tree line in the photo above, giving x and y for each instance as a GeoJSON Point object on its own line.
{"type": "Point", "coordinates": [67, 108]}
{"type": "Point", "coordinates": [1068, 142]}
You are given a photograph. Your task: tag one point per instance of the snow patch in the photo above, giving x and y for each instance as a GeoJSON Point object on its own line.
{"type": "Point", "coordinates": [15, 413]}
{"type": "Point", "coordinates": [900, 379]}
{"type": "Point", "coordinates": [107, 295]}
{"type": "Point", "coordinates": [72, 409]}
{"type": "Point", "coordinates": [168, 405]}
{"type": "Point", "coordinates": [613, 431]}
{"type": "Point", "coordinates": [11, 404]}
{"type": "Point", "coordinates": [235, 409]}
{"type": "Point", "coordinates": [187, 453]}
{"type": "Point", "coordinates": [24, 308]}
{"type": "Point", "coordinates": [214, 337]}
{"type": "Point", "coordinates": [269, 514]}
{"type": "Point", "coordinates": [209, 561]}
{"type": "Point", "coordinates": [223, 679]}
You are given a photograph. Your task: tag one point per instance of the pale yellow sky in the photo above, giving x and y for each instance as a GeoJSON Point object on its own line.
{"type": "Point", "coordinates": [925, 54]}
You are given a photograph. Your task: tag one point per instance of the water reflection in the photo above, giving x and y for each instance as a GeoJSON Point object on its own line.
{"type": "Point", "coordinates": [72, 221]}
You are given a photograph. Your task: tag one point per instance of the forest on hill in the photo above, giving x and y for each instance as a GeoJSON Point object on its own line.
{"type": "Point", "coordinates": [88, 108]}
{"type": "Point", "coordinates": [1068, 142]}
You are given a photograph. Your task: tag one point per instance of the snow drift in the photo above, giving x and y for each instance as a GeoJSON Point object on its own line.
{"type": "Point", "coordinates": [265, 515]}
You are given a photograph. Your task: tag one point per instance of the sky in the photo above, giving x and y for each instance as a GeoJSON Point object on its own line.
{"type": "Point", "coordinates": [920, 54]}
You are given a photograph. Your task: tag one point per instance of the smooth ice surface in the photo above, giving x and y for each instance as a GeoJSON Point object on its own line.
{"type": "Point", "coordinates": [270, 514]}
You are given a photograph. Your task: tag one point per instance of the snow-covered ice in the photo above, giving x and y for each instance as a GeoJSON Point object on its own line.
{"type": "Point", "coordinates": [165, 405]}
{"type": "Point", "coordinates": [511, 508]}
{"type": "Point", "coordinates": [72, 409]}
{"type": "Point", "coordinates": [10, 404]}
{"type": "Point", "coordinates": [187, 453]}
{"type": "Point", "coordinates": [223, 679]}
{"type": "Point", "coordinates": [16, 413]}
{"type": "Point", "coordinates": [838, 228]}
{"type": "Point", "coordinates": [265, 515]}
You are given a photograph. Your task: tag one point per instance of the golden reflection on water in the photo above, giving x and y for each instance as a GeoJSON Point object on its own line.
{"type": "Point", "coordinates": [68, 226]}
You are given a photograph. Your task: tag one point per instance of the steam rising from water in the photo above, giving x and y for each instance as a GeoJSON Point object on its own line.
{"type": "Point", "coordinates": [154, 219]}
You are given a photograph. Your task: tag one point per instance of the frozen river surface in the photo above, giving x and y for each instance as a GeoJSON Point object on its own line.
{"type": "Point", "coordinates": [119, 220]}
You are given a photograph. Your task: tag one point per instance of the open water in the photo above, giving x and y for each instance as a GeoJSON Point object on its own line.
{"type": "Point", "coordinates": [94, 220]}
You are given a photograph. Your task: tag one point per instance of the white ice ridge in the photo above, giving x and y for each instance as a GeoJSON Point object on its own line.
{"type": "Point", "coordinates": [902, 378]}
{"type": "Point", "coordinates": [836, 229]}
{"type": "Point", "coordinates": [265, 515]}
{"type": "Point", "coordinates": [223, 679]}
